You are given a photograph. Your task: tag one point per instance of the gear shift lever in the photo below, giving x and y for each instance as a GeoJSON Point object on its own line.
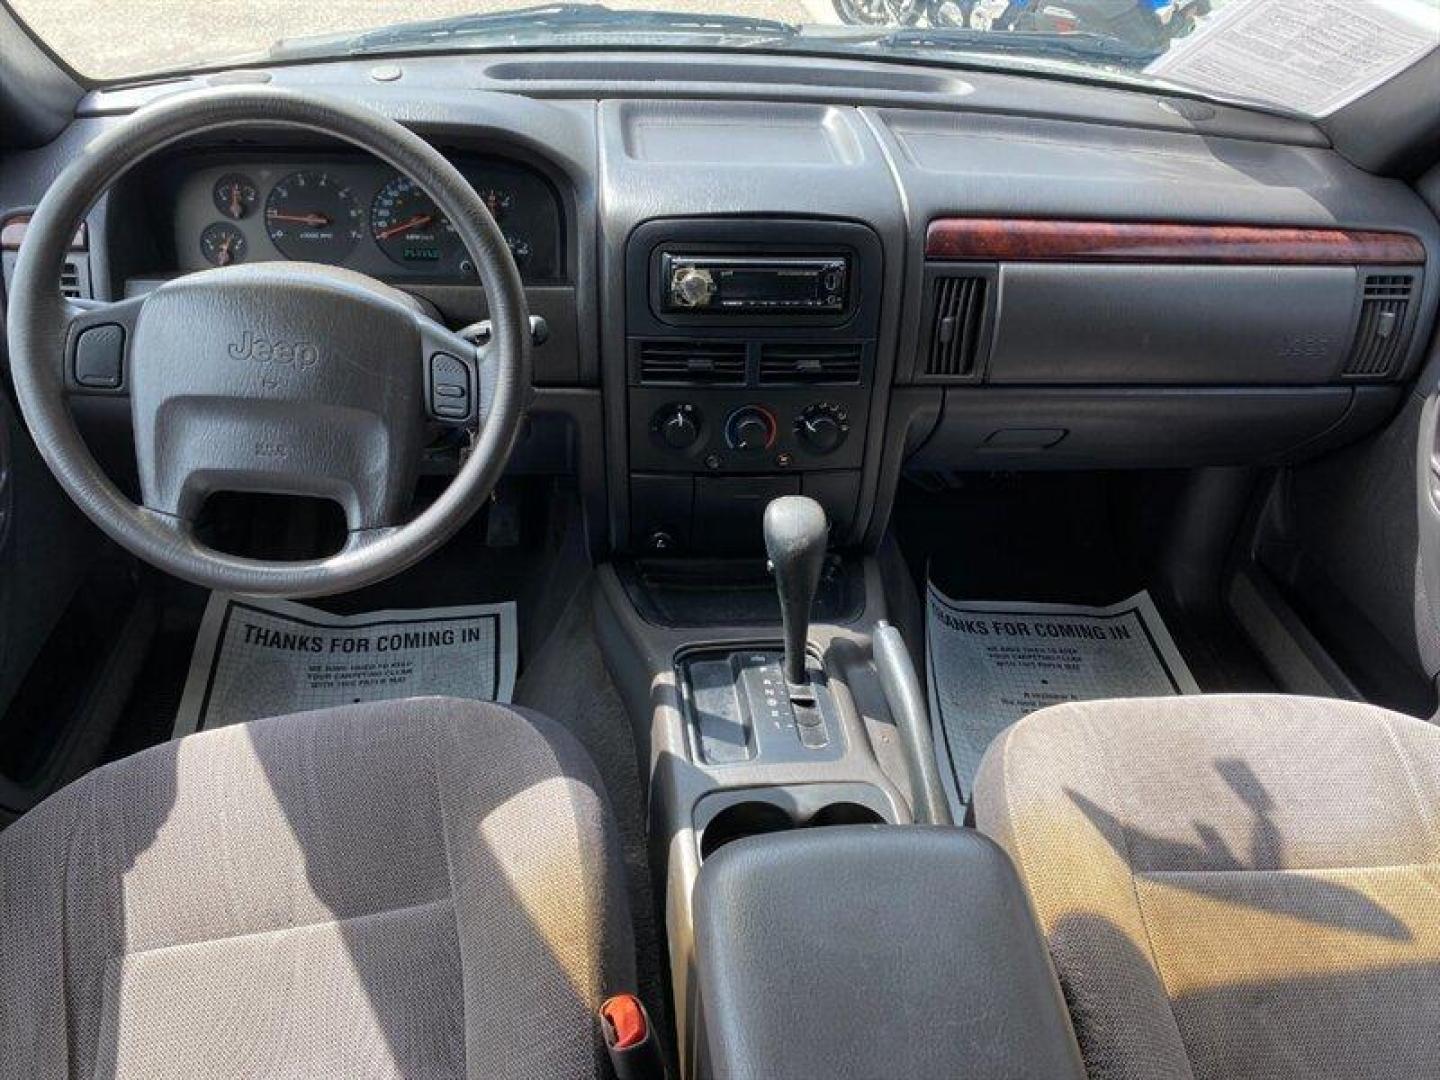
{"type": "Point", "coordinates": [795, 534]}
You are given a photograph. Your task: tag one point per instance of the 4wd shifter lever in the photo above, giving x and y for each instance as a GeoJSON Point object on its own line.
{"type": "Point", "coordinates": [795, 534]}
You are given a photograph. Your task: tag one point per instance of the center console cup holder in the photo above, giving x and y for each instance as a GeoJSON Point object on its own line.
{"type": "Point", "coordinates": [723, 816]}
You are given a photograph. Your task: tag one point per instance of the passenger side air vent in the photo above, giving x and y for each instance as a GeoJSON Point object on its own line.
{"type": "Point", "coordinates": [957, 320]}
{"type": "Point", "coordinates": [1381, 336]}
{"type": "Point", "coordinates": [708, 363]}
{"type": "Point", "coordinates": [810, 363]}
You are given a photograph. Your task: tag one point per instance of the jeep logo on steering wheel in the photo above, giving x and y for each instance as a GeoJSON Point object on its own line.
{"type": "Point", "coordinates": [298, 354]}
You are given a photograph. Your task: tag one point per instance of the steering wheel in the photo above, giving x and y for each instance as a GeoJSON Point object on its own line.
{"type": "Point", "coordinates": [286, 378]}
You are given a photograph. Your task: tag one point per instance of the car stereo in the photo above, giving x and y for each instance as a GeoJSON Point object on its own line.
{"type": "Point", "coordinates": [758, 284]}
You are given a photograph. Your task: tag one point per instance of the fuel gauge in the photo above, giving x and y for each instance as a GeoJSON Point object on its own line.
{"type": "Point", "coordinates": [235, 196]}
{"type": "Point", "coordinates": [222, 244]}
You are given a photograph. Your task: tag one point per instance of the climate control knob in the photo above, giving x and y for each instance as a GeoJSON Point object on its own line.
{"type": "Point", "coordinates": [677, 426]}
{"type": "Point", "coordinates": [751, 427]}
{"type": "Point", "coordinates": [822, 427]}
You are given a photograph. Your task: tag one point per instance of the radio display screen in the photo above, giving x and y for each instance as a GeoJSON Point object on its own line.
{"type": "Point", "coordinates": [773, 284]}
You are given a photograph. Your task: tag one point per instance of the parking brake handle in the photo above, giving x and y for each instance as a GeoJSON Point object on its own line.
{"type": "Point", "coordinates": [795, 534]}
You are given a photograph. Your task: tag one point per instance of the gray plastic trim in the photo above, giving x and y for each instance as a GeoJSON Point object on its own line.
{"type": "Point", "coordinates": [1128, 428]}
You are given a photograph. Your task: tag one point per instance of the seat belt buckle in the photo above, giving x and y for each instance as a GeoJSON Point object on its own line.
{"type": "Point", "coordinates": [630, 1040]}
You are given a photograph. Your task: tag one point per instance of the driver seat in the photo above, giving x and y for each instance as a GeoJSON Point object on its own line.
{"type": "Point", "coordinates": [421, 888]}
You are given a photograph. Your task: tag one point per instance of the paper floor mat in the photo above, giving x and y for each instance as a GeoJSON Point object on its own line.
{"type": "Point", "coordinates": [990, 663]}
{"type": "Point", "coordinates": [256, 658]}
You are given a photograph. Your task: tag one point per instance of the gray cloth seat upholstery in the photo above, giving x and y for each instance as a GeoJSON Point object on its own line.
{"type": "Point", "coordinates": [428, 888]}
{"type": "Point", "coordinates": [1235, 887]}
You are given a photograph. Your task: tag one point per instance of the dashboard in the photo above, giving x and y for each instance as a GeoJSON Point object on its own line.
{"type": "Point", "coordinates": [357, 213]}
{"type": "Point", "coordinates": [1019, 282]}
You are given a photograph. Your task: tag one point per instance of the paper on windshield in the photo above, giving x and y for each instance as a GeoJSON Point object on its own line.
{"type": "Point", "coordinates": [257, 658]}
{"type": "Point", "coordinates": [992, 663]}
{"type": "Point", "coordinates": [1310, 56]}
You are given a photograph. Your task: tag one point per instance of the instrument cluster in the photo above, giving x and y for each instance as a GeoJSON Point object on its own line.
{"type": "Point", "coordinates": [360, 214]}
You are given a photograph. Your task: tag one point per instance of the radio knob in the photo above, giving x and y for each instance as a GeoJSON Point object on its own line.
{"type": "Point", "coordinates": [750, 428]}
{"type": "Point", "coordinates": [822, 427]}
{"type": "Point", "coordinates": [678, 426]}
{"type": "Point", "coordinates": [692, 287]}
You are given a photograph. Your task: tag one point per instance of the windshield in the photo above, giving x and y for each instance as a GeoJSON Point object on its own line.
{"type": "Point", "coordinates": [1304, 56]}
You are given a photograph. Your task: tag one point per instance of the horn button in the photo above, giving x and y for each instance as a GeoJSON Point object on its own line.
{"type": "Point", "coordinates": [284, 378]}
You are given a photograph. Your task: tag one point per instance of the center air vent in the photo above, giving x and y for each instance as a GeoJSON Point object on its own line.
{"type": "Point", "coordinates": [809, 363]}
{"type": "Point", "coordinates": [1380, 336]}
{"type": "Point", "coordinates": [709, 363]}
{"type": "Point", "coordinates": [957, 318]}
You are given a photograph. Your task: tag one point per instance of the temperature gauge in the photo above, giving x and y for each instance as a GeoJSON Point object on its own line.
{"type": "Point", "coordinates": [235, 196]}
{"type": "Point", "coordinates": [222, 244]}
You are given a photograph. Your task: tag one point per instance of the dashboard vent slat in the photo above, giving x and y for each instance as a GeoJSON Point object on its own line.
{"type": "Point", "coordinates": [1380, 336]}
{"type": "Point", "coordinates": [73, 283]}
{"type": "Point", "coordinates": [957, 317]}
{"type": "Point", "coordinates": [692, 362]}
{"type": "Point", "coordinates": [811, 363]}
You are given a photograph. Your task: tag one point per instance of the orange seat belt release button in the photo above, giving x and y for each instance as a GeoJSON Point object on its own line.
{"type": "Point", "coordinates": [625, 1022]}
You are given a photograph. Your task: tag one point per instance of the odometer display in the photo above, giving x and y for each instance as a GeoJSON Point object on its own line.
{"type": "Point", "coordinates": [312, 215]}
{"type": "Point", "coordinates": [410, 229]}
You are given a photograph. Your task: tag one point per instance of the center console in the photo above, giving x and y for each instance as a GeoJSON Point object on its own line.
{"type": "Point", "coordinates": [755, 725]}
{"type": "Point", "coordinates": [751, 350]}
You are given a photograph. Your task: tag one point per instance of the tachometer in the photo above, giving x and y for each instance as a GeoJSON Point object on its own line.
{"type": "Point", "coordinates": [313, 215]}
{"type": "Point", "coordinates": [409, 228]}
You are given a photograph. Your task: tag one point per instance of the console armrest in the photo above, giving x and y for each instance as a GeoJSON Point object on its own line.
{"type": "Point", "coordinates": [873, 950]}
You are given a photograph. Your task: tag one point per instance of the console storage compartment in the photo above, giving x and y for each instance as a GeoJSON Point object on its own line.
{"type": "Point", "coordinates": [874, 950]}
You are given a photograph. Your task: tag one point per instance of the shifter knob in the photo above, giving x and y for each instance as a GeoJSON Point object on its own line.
{"type": "Point", "coordinates": [795, 534]}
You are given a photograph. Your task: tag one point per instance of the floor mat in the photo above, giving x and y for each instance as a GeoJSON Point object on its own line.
{"type": "Point", "coordinates": [989, 663]}
{"type": "Point", "coordinates": [256, 658]}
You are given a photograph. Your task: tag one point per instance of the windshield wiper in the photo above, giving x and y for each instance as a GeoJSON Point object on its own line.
{"type": "Point", "coordinates": [1073, 46]}
{"type": "Point", "coordinates": [544, 22]}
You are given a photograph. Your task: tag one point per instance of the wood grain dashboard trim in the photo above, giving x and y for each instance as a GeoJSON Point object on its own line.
{"type": "Point", "coordinates": [1036, 240]}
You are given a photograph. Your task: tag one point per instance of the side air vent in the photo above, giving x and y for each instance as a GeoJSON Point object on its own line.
{"type": "Point", "coordinates": [1380, 338]}
{"type": "Point", "coordinates": [692, 362]}
{"type": "Point", "coordinates": [72, 281]}
{"type": "Point", "coordinates": [957, 318]}
{"type": "Point", "coordinates": [786, 362]}
{"type": "Point", "coordinates": [74, 272]}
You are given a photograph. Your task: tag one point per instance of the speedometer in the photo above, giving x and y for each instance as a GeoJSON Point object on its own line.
{"type": "Point", "coordinates": [312, 215]}
{"type": "Point", "coordinates": [409, 228]}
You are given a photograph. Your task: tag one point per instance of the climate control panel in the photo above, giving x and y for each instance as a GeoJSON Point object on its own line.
{"type": "Point", "coordinates": [710, 430]}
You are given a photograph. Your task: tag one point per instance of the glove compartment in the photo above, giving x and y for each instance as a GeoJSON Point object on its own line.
{"type": "Point", "coordinates": [1186, 325]}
